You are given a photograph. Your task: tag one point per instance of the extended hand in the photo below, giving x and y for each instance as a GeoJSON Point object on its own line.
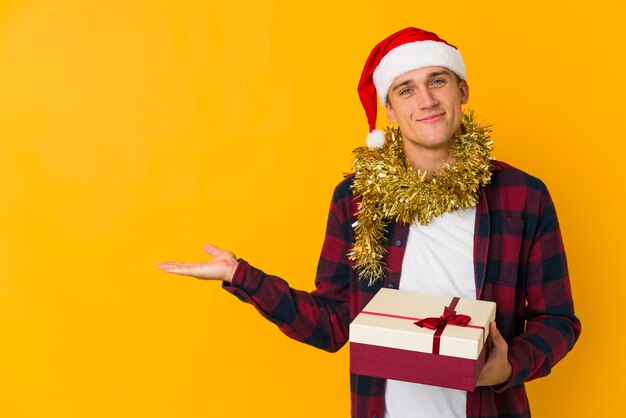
{"type": "Point", "coordinates": [221, 267]}
{"type": "Point", "coordinates": [497, 368]}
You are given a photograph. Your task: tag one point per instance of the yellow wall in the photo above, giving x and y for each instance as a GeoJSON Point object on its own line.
{"type": "Point", "coordinates": [131, 132]}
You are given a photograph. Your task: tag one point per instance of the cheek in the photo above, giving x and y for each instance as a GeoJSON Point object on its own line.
{"type": "Point", "coordinates": [403, 113]}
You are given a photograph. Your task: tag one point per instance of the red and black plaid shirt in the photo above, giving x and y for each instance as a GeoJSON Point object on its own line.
{"type": "Point", "coordinates": [519, 263]}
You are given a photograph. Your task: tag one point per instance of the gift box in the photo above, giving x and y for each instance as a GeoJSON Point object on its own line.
{"type": "Point", "coordinates": [415, 337]}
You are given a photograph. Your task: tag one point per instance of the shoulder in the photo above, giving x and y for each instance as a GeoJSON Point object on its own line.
{"type": "Point", "coordinates": [344, 188]}
{"type": "Point", "coordinates": [516, 192]}
{"type": "Point", "coordinates": [344, 203]}
{"type": "Point", "coordinates": [505, 177]}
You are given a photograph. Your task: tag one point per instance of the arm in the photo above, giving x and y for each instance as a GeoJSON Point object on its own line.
{"type": "Point", "coordinates": [551, 325]}
{"type": "Point", "coordinates": [319, 318]}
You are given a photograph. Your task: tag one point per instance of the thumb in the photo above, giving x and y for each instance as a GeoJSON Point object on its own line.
{"type": "Point", "coordinates": [496, 338]}
{"type": "Point", "coordinates": [211, 250]}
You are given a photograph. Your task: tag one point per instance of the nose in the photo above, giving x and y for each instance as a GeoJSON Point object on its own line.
{"type": "Point", "coordinates": [426, 99]}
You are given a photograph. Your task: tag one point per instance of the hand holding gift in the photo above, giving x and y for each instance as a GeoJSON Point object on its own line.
{"type": "Point", "coordinates": [497, 368]}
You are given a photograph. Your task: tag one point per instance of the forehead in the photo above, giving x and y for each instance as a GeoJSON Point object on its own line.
{"type": "Point", "coordinates": [422, 74]}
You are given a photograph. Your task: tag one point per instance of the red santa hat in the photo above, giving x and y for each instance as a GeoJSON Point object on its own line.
{"type": "Point", "coordinates": [404, 51]}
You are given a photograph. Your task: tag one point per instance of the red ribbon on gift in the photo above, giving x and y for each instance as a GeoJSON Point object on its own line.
{"type": "Point", "coordinates": [439, 324]}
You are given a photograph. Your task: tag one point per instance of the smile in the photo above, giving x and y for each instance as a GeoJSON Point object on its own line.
{"type": "Point", "coordinates": [432, 118]}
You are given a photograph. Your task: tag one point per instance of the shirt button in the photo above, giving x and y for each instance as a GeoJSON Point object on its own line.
{"type": "Point", "coordinates": [390, 286]}
{"type": "Point", "coordinates": [398, 243]}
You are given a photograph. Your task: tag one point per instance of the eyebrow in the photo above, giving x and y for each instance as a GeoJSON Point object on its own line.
{"type": "Point", "coordinates": [438, 73]}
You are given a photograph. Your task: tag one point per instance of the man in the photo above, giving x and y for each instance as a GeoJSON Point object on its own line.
{"type": "Point", "coordinates": [427, 209]}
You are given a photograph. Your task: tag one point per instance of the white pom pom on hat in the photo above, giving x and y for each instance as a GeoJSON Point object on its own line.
{"type": "Point", "coordinates": [404, 51]}
{"type": "Point", "coordinates": [375, 139]}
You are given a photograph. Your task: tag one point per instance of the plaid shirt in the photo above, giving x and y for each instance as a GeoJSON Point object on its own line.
{"type": "Point", "coordinates": [519, 264]}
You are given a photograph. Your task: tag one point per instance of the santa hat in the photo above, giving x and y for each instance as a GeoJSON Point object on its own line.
{"type": "Point", "coordinates": [404, 51]}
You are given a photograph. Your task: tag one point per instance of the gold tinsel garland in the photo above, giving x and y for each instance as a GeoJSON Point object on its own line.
{"type": "Point", "coordinates": [391, 189]}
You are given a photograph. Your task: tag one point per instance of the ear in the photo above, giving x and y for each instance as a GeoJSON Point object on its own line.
{"type": "Point", "coordinates": [391, 116]}
{"type": "Point", "coordinates": [464, 87]}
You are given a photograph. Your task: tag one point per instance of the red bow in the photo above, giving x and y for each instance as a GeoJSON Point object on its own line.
{"type": "Point", "coordinates": [449, 317]}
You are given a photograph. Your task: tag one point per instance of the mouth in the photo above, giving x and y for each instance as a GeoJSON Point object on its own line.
{"type": "Point", "coordinates": [432, 118]}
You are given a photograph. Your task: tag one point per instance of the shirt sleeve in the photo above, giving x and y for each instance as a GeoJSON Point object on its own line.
{"type": "Point", "coordinates": [552, 328]}
{"type": "Point", "coordinates": [319, 318]}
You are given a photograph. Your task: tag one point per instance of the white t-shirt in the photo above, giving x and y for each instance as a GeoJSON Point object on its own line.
{"type": "Point", "coordinates": [439, 260]}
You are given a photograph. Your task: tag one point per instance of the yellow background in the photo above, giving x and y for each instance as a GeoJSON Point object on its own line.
{"type": "Point", "coordinates": [131, 132]}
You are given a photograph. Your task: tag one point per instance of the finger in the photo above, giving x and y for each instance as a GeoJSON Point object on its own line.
{"type": "Point", "coordinates": [170, 264]}
{"type": "Point", "coordinates": [179, 269]}
{"type": "Point", "coordinates": [496, 337]}
{"type": "Point", "coordinates": [164, 265]}
{"type": "Point", "coordinates": [211, 250]}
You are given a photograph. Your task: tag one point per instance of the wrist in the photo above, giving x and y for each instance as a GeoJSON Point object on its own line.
{"type": "Point", "coordinates": [231, 274]}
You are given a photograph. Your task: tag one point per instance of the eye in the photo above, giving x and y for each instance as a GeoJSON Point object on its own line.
{"type": "Point", "coordinates": [405, 91]}
{"type": "Point", "coordinates": [438, 82]}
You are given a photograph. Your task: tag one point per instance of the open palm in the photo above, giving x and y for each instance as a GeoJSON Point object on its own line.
{"type": "Point", "coordinates": [221, 267]}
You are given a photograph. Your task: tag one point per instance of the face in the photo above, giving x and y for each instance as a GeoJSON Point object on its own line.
{"type": "Point", "coordinates": [426, 104]}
